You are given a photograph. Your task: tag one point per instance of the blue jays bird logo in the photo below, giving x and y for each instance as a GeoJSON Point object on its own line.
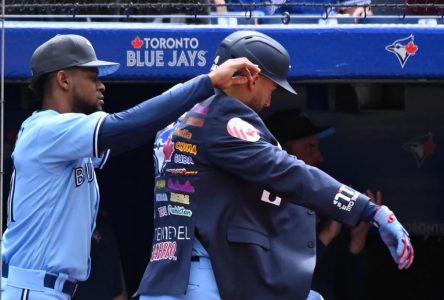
{"type": "Point", "coordinates": [403, 49]}
{"type": "Point", "coordinates": [421, 148]}
{"type": "Point", "coordinates": [163, 148]}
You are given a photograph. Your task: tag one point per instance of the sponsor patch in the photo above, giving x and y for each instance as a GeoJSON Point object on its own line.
{"type": "Point", "coordinates": [243, 130]}
{"type": "Point", "coordinates": [182, 171]}
{"type": "Point", "coordinates": [197, 122]}
{"type": "Point", "coordinates": [162, 211]}
{"type": "Point", "coordinates": [184, 133]}
{"type": "Point", "coordinates": [182, 159]}
{"type": "Point", "coordinates": [160, 184]}
{"type": "Point", "coordinates": [164, 251]}
{"type": "Point", "coordinates": [180, 198]}
{"type": "Point", "coordinates": [186, 147]}
{"type": "Point", "coordinates": [169, 233]}
{"type": "Point", "coordinates": [201, 109]}
{"type": "Point", "coordinates": [179, 211]}
{"type": "Point", "coordinates": [345, 198]}
{"type": "Point", "coordinates": [160, 197]}
{"type": "Point", "coordinates": [186, 187]}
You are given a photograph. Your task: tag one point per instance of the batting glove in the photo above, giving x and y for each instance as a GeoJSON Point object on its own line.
{"type": "Point", "coordinates": [394, 236]}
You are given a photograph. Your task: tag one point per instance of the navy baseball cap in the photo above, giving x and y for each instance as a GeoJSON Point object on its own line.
{"type": "Point", "coordinates": [65, 51]}
{"type": "Point", "coordinates": [293, 124]}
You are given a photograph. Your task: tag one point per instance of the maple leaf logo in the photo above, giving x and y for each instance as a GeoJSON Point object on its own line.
{"type": "Point", "coordinates": [411, 48]}
{"type": "Point", "coordinates": [137, 42]}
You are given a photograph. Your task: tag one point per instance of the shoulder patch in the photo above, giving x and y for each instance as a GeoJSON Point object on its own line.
{"type": "Point", "coordinates": [243, 130]}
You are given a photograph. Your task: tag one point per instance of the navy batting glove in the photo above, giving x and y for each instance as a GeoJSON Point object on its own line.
{"type": "Point", "coordinates": [394, 236]}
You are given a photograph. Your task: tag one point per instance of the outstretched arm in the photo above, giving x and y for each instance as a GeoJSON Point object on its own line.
{"type": "Point", "coordinates": [358, 235]}
{"type": "Point", "coordinates": [131, 128]}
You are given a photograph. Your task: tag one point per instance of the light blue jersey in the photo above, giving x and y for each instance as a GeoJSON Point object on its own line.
{"type": "Point", "coordinates": [54, 196]}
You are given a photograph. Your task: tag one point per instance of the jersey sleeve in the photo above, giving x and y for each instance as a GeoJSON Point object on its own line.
{"type": "Point", "coordinates": [240, 144]}
{"type": "Point", "coordinates": [99, 162]}
{"type": "Point", "coordinates": [70, 136]}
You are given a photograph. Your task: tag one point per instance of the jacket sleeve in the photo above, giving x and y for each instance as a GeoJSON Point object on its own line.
{"type": "Point", "coordinates": [233, 146]}
{"type": "Point", "coordinates": [131, 128]}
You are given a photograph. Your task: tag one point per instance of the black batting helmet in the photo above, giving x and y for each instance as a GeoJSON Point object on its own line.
{"type": "Point", "coordinates": [260, 49]}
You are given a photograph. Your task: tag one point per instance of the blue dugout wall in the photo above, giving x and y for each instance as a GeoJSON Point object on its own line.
{"type": "Point", "coordinates": [153, 52]}
{"type": "Point", "coordinates": [398, 151]}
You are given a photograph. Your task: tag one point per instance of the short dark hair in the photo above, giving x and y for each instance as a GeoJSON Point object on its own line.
{"type": "Point", "coordinates": [40, 85]}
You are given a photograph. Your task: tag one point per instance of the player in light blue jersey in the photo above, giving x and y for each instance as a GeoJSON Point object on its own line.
{"type": "Point", "coordinates": [54, 195]}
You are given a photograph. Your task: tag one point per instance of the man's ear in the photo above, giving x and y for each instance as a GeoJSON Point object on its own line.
{"type": "Point", "coordinates": [252, 82]}
{"type": "Point", "coordinates": [63, 79]}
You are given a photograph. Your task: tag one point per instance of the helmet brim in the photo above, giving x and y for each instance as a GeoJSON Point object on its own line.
{"type": "Point", "coordinates": [286, 86]}
{"type": "Point", "coordinates": [282, 83]}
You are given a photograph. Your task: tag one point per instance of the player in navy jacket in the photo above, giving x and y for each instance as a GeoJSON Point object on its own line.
{"type": "Point", "coordinates": [229, 200]}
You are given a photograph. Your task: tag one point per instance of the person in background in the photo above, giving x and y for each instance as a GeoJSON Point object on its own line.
{"type": "Point", "coordinates": [340, 252]}
{"type": "Point", "coordinates": [355, 8]}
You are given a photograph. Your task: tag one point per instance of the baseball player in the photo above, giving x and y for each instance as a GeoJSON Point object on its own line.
{"type": "Point", "coordinates": [54, 195]}
{"type": "Point", "coordinates": [224, 223]}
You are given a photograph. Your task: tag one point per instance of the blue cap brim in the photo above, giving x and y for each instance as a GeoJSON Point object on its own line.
{"type": "Point", "coordinates": [105, 67]}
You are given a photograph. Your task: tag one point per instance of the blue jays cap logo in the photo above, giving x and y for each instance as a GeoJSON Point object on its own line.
{"type": "Point", "coordinates": [403, 49]}
{"type": "Point", "coordinates": [421, 148]}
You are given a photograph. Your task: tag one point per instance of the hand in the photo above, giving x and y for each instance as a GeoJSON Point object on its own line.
{"type": "Point", "coordinates": [222, 77]}
{"type": "Point", "coordinates": [395, 237]}
{"type": "Point", "coordinates": [358, 236]}
{"type": "Point", "coordinates": [330, 230]}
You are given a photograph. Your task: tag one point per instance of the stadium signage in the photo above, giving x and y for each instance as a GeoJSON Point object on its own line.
{"type": "Point", "coordinates": [165, 52]}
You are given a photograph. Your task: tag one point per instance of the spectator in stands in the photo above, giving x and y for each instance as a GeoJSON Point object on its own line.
{"type": "Point", "coordinates": [181, 7]}
{"type": "Point", "coordinates": [340, 253]}
{"type": "Point", "coordinates": [279, 6]}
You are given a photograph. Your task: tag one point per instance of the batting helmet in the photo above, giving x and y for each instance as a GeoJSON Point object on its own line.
{"type": "Point", "coordinates": [260, 49]}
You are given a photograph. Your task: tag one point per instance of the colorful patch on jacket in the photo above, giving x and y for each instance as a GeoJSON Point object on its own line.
{"type": "Point", "coordinates": [163, 148]}
{"type": "Point", "coordinates": [238, 128]}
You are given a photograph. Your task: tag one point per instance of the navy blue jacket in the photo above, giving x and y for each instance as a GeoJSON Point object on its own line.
{"type": "Point", "coordinates": [222, 177]}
